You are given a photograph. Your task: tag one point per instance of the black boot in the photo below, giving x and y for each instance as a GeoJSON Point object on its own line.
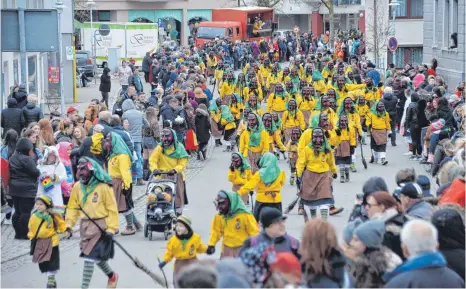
{"type": "Point", "coordinates": [204, 153]}
{"type": "Point", "coordinates": [347, 174]}
{"type": "Point", "coordinates": [218, 143]}
{"type": "Point", "coordinates": [198, 156]}
{"type": "Point", "coordinates": [145, 170]}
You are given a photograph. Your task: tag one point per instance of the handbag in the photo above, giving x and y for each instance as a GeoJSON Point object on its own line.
{"type": "Point", "coordinates": [34, 240]}
{"type": "Point", "coordinates": [191, 140]}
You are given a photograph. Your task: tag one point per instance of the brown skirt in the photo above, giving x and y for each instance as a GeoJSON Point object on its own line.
{"type": "Point", "coordinates": [214, 129]}
{"type": "Point", "coordinates": [42, 251]}
{"type": "Point", "coordinates": [316, 186]}
{"type": "Point", "coordinates": [252, 159]}
{"type": "Point", "coordinates": [287, 133]}
{"type": "Point", "coordinates": [344, 149]}
{"type": "Point", "coordinates": [90, 234]}
{"type": "Point", "coordinates": [307, 117]}
{"type": "Point", "coordinates": [380, 136]}
{"type": "Point", "coordinates": [117, 185]}
{"type": "Point", "coordinates": [230, 252]}
{"type": "Point", "coordinates": [244, 197]}
{"type": "Point", "coordinates": [180, 264]}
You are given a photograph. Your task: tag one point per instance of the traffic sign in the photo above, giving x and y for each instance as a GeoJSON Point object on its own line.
{"type": "Point", "coordinates": [160, 23]}
{"type": "Point", "coordinates": [69, 53]}
{"type": "Point", "coordinates": [392, 44]}
{"type": "Point", "coordinates": [104, 30]}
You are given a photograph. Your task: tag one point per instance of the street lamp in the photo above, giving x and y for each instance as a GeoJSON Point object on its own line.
{"type": "Point", "coordinates": [59, 7]}
{"type": "Point", "coordinates": [394, 4]}
{"type": "Point", "coordinates": [91, 5]}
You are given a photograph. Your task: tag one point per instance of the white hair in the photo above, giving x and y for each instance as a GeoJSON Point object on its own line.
{"type": "Point", "coordinates": [388, 90]}
{"type": "Point", "coordinates": [98, 128]}
{"type": "Point", "coordinates": [419, 237]}
{"type": "Point", "coordinates": [33, 98]}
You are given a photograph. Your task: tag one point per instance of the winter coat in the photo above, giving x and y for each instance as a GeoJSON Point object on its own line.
{"type": "Point", "coordinates": [439, 156]}
{"type": "Point", "coordinates": [32, 113]}
{"type": "Point", "coordinates": [12, 117]}
{"type": "Point", "coordinates": [428, 270]}
{"type": "Point", "coordinates": [124, 135]}
{"type": "Point", "coordinates": [154, 75]}
{"type": "Point", "coordinates": [136, 81]}
{"type": "Point", "coordinates": [21, 96]}
{"type": "Point", "coordinates": [455, 259]}
{"type": "Point", "coordinates": [411, 114]}
{"type": "Point", "coordinates": [447, 115]}
{"type": "Point", "coordinates": [390, 101]}
{"type": "Point", "coordinates": [285, 243]}
{"type": "Point", "coordinates": [340, 277]}
{"type": "Point", "coordinates": [168, 113]}
{"type": "Point", "coordinates": [420, 210]}
{"type": "Point", "coordinates": [61, 137]}
{"type": "Point", "coordinates": [202, 124]}
{"type": "Point", "coordinates": [455, 194]}
{"type": "Point", "coordinates": [23, 171]}
{"type": "Point", "coordinates": [105, 81]}
{"type": "Point", "coordinates": [399, 93]}
{"type": "Point", "coordinates": [135, 118]}
{"type": "Point", "coordinates": [85, 151]}
{"type": "Point", "coordinates": [391, 238]}
{"type": "Point", "coordinates": [124, 73]}
{"type": "Point", "coordinates": [146, 62]}
{"type": "Point", "coordinates": [107, 128]}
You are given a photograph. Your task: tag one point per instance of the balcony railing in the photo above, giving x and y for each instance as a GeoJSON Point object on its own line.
{"type": "Point", "coordinates": [347, 2]}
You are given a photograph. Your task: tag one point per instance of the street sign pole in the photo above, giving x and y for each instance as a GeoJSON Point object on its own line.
{"type": "Point", "coordinates": [22, 48]}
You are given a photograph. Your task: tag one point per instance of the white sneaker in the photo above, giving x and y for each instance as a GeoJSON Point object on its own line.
{"type": "Point", "coordinates": [408, 154]}
{"type": "Point", "coordinates": [7, 222]}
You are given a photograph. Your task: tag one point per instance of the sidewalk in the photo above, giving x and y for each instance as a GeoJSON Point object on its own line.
{"type": "Point", "coordinates": [15, 253]}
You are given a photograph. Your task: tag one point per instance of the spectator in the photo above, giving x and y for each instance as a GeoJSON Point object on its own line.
{"type": "Point", "coordinates": [202, 124]}
{"type": "Point", "coordinates": [21, 95]}
{"type": "Point", "coordinates": [7, 150]}
{"type": "Point", "coordinates": [455, 193]}
{"type": "Point", "coordinates": [150, 136]}
{"type": "Point", "coordinates": [372, 185]}
{"type": "Point", "coordinates": [31, 112]}
{"type": "Point", "coordinates": [12, 117]}
{"type": "Point", "coordinates": [136, 123]}
{"type": "Point", "coordinates": [135, 80]}
{"type": "Point", "coordinates": [72, 115]}
{"type": "Point", "coordinates": [425, 267]}
{"type": "Point", "coordinates": [413, 125]}
{"type": "Point", "coordinates": [66, 131]}
{"type": "Point", "coordinates": [390, 101]}
{"type": "Point", "coordinates": [197, 276]}
{"type": "Point", "coordinates": [155, 69]}
{"type": "Point", "coordinates": [90, 114]}
{"type": "Point", "coordinates": [146, 63]}
{"type": "Point", "coordinates": [412, 204]}
{"type": "Point", "coordinates": [177, 116]}
{"type": "Point", "coordinates": [124, 72]}
{"type": "Point", "coordinates": [105, 119]}
{"type": "Point", "coordinates": [118, 128]}
{"type": "Point", "coordinates": [93, 146]}
{"type": "Point", "coordinates": [370, 259]}
{"type": "Point", "coordinates": [79, 134]}
{"type": "Point", "coordinates": [23, 186]}
{"type": "Point", "coordinates": [33, 136]}
{"type": "Point", "coordinates": [105, 85]}
{"type": "Point", "coordinates": [444, 112]}
{"type": "Point", "coordinates": [324, 266]}
{"type": "Point", "coordinates": [46, 132]}
{"type": "Point", "coordinates": [449, 222]}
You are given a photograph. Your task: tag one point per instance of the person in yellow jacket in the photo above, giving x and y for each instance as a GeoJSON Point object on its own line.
{"type": "Point", "coordinates": [274, 134]}
{"type": "Point", "coordinates": [293, 92]}
{"type": "Point", "coordinates": [265, 70]}
{"type": "Point", "coordinates": [363, 109]}
{"type": "Point", "coordinates": [218, 75]}
{"type": "Point", "coordinates": [286, 75]}
{"type": "Point", "coordinates": [315, 169]}
{"type": "Point", "coordinates": [236, 107]}
{"type": "Point", "coordinates": [243, 123]}
{"type": "Point", "coordinates": [343, 88]}
{"type": "Point", "coordinates": [253, 104]}
{"type": "Point", "coordinates": [295, 77]}
{"type": "Point", "coordinates": [268, 182]}
{"type": "Point", "coordinates": [234, 223]}
{"type": "Point", "coordinates": [240, 84]}
{"type": "Point", "coordinates": [378, 124]}
{"type": "Point", "coordinates": [170, 158]}
{"type": "Point", "coordinates": [299, 68]}
{"type": "Point", "coordinates": [354, 121]}
{"type": "Point", "coordinates": [254, 141]}
{"type": "Point", "coordinates": [92, 197]}
{"type": "Point", "coordinates": [227, 88]}
{"type": "Point", "coordinates": [277, 100]}
{"type": "Point", "coordinates": [345, 149]}
{"type": "Point", "coordinates": [44, 226]}
{"type": "Point", "coordinates": [292, 149]}
{"type": "Point", "coordinates": [328, 71]}
{"type": "Point", "coordinates": [211, 65]}
{"type": "Point", "coordinates": [307, 104]}
{"type": "Point", "coordinates": [323, 106]}
{"type": "Point", "coordinates": [372, 93]}
{"type": "Point", "coordinates": [318, 82]}
{"type": "Point", "coordinates": [292, 118]}
{"type": "Point", "coordinates": [274, 78]}
{"type": "Point", "coordinates": [184, 246]}
{"type": "Point", "coordinates": [253, 89]}
{"type": "Point", "coordinates": [308, 71]}
{"type": "Point", "coordinates": [119, 169]}
{"type": "Point", "coordinates": [239, 174]}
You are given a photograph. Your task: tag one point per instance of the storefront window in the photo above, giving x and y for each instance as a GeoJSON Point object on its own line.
{"type": "Point", "coordinates": [32, 74]}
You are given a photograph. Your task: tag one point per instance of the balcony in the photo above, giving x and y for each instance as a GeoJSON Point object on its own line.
{"type": "Point", "coordinates": [346, 2]}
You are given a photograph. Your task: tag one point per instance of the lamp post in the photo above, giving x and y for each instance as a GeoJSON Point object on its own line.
{"type": "Point", "coordinates": [394, 4]}
{"type": "Point", "coordinates": [59, 7]}
{"type": "Point", "coordinates": [91, 5]}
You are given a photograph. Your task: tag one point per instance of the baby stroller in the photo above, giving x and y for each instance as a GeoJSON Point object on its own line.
{"type": "Point", "coordinates": [160, 213]}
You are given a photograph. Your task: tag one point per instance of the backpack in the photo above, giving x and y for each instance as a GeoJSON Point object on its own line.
{"type": "Point", "coordinates": [293, 241]}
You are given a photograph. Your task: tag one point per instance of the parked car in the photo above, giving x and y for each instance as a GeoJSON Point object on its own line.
{"type": "Point", "coordinates": [85, 62]}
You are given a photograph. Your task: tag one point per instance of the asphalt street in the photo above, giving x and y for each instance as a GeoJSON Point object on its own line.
{"type": "Point", "coordinates": [205, 179]}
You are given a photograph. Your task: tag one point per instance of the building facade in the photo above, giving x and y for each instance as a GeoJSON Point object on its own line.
{"type": "Point", "coordinates": [442, 19]}
{"type": "Point", "coordinates": [179, 14]}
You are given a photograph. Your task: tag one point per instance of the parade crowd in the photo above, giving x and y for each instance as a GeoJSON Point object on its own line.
{"type": "Point", "coordinates": [314, 112]}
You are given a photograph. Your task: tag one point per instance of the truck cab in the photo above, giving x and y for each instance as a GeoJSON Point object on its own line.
{"type": "Point", "coordinates": [208, 31]}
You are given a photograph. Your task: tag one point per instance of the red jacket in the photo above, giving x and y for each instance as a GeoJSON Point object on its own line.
{"type": "Point", "coordinates": [455, 194]}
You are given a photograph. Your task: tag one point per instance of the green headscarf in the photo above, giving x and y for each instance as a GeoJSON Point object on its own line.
{"type": "Point", "coordinates": [238, 98]}
{"type": "Point", "coordinates": [226, 113]}
{"type": "Point", "coordinates": [213, 106]}
{"type": "Point", "coordinates": [292, 113]}
{"type": "Point", "coordinates": [276, 125]}
{"type": "Point", "coordinates": [341, 109]}
{"type": "Point", "coordinates": [119, 146]}
{"type": "Point", "coordinates": [316, 75]}
{"type": "Point", "coordinates": [236, 205]}
{"type": "Point", "coordinates": [179, 152]}
{"type": "Point", "coordinates": [253, 108]}
{"type": "Point", "coordinates": [323, 148]}
{"type": "Point", "coordinates": [255, 135]}
{"type": "Point", "coordinates": [98, 176]}
{"type": "Point", "coordinates": [374, 110]}
{"type": "Point", "coordinates": [318, 105]}
{"type": "Point", "coordinates": [244, 162]}
{"type": "Point", "coordinates": [44, 216]}
{"type": "Point", "coordinates": [269, 169]}
{"type": "Point", "coordinates": [315, 121]}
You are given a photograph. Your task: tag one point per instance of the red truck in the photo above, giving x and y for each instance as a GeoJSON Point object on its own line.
{"type": "Point", "coordinates": [242, 23]}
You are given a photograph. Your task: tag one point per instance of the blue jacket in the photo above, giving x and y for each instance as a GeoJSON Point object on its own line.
{"type": "Point", "coordinates": [421, 210]}
{"type": "Point", "coordinates": [375, 75]}
{"type": "Point", "coordinates": [135, 118]}
{"type": "Point", "coordinates": [428, 270]}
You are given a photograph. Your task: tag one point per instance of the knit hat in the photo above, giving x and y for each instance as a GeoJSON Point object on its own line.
{"type": "Point", "coordinates": [185, 220]}
{"type": "Point", "coordinates": [349, 230]}
{"type": "Point", "coordinates": [371, 233]}
{"type": "Point", "coordinates": [287, 262]}
{"type": "Point", "coordinates": [270, 215]}
{"type": "Point", "coordinates": [412, 191]}
{"type": "Point", "coordinates": [47, 201]}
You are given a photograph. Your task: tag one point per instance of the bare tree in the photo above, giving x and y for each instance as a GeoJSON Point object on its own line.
{"type": "Point", "coordinates": [329, 5]}
{"type": "Point", "coordinates": [276, 4]}
{"type": "Point", "coordinates": [378, 30]}
{"type": "Point", "coordinates": [81, 11]}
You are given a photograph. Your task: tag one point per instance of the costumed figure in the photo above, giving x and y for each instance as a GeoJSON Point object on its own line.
{"type": "Point", "coordinates": [239, 173]}
{"type": "Point", "coordinates": [227, 88]}
{"type": "Point", "coordinates": [363, 109]}
{"type": "Point", "coordinates": [292, 118]}
{"type": "Point", "coordinates": [52, 174]}
{"type": "Point", "coordinates": [254, 141]}
{"type": "Point", "coordinates": [345, 149]}
{"type": "Point", "coordinates": [274, 134]}
{"type": "Point", "coordinates": [307, 104]}
{"type": "Point", "coordinates": [277, 100]}
{"type": "Point", "coordinates": [354, 121]}
{"type": "Point", "coordinates": [378, 124]}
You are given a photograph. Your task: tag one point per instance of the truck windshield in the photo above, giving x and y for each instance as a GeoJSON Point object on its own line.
{"type": "Point", "coordinates": [210, 32]}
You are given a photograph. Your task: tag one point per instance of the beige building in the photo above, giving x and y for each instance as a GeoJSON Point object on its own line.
{"type": "Point", "coordinates": [178, 13]}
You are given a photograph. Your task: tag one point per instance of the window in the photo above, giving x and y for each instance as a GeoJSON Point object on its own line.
{"type": "Point", "coordinates": [237, 31]}
{"type": "Point", "coordinates": [404, 55]}
{"type": "Point", "coordinates": [408, 9]}
{"type": "Point", "coordinates": [454, 19]}
{"type": "Point", "coordinates": [446, 23]}
{"type": "Point", "coordinates": [5, 4]}
{"type": "Point", "coordinates": [230, 32]}
{"type": "Point", "coordinates": [103, 16]}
